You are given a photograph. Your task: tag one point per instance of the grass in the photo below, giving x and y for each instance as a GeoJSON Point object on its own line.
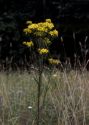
{"type": "Point", "coordinates": [64, 98]}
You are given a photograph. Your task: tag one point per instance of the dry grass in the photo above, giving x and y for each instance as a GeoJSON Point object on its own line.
{"type": "Point", "coordinates": [64, 98]}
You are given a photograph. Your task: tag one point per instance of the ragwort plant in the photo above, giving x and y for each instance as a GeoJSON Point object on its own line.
{"type": "Point", "coordinates": [40, 38]}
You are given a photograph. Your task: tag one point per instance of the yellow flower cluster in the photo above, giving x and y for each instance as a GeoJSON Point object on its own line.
{"type": "Point", "coordinates": [41, 35]}
{"type": "Point", "coordinates": [54, 61]}
{"type": "Point", "coordinates": [53, 33]}
{"type": "Point", "coordinates": [46, 26]}
{"type": "Point", "coordinates": [29, 44]}
{"type": "Point", "coordinates": [43, 51]}
{"type": "Point", "coordinates": [38, 28]}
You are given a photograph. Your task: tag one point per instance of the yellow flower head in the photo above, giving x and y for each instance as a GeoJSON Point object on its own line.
{"type": "Point", "coordinates": [29, 22]}
{"type": "Point", "coordinates": [26, 30]}
{"type": "Point", "coordinates": [53, 33]}
{"type": "Point", "coordinates": [54, 61]}
{"type": "Point", "coordinates": [29, 44]}
{"type": "Point", "coordinates": [48, 20]}
{"type": "Point", "coordinates": [42, 29]}
{"type": "Point", "coordinates": [45, 26]}
{"type": "Point", "coordinates": [33, 26]}
{"type": "Point", "coordinates": [43, 51]}
{"type": "Point", "coordinates": [48, 25]}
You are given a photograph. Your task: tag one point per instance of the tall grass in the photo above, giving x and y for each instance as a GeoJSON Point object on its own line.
{"type": "Point", "coordinates": [64, 98]}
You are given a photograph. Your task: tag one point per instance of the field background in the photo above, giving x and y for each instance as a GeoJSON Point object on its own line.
{"type": "Point", "coordinates": [64, 98]}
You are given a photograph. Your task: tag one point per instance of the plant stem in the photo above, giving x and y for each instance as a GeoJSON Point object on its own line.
{"type": "Point", "coordinates": [39, 94]}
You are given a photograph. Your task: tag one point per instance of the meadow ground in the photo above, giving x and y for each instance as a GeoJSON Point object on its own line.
{"type": "Point", "coordinates": [64, 98]}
